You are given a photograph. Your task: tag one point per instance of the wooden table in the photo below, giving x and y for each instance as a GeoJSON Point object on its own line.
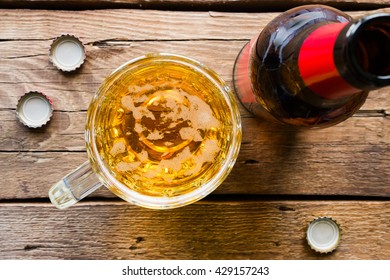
{"type": "Point", "coordinates": [281, 181]}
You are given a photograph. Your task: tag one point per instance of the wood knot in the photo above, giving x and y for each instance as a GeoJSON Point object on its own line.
{"type": "Point", "coordinates": [285, 208]}
{"type": "Point", "coordinates": [31, 247]}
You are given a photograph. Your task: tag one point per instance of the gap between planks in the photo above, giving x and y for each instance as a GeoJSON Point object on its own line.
{"type": "Point", "coordinates": [211, 199]}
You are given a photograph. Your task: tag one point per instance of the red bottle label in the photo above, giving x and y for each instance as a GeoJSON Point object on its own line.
{"type": "Point", "coordinates": [317, 66]}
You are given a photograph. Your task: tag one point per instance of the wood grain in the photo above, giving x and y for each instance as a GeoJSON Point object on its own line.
{"type": "Point", "coordinates": [24, 63]}
{"type": "Point", "coordinates": [65, 132]}
{"type": "Point", "coordinates": [354, 154]}
{"type": "Point", "coordinates": [349, 159]}
{"type": "Point", "coordinates": [205, 230]}
{"type": "Point", "coordinates": [229, 5]}
{"type": "Point", "coordinates": [243, 219]}
{"type": "Point", "coordinates": [98, 26]}
{"type": "Point", "coordinates": [27, 67]}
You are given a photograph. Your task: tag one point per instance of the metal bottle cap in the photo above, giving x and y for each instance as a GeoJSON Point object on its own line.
{"type": "Point", "coordinates": [34, 109]}
{"type": "Point", "coordinates": [323, 235]}
{"type": "Point", "coordinates": [67, 53]}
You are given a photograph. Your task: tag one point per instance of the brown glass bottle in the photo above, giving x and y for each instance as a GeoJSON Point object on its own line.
{"type": "Point", "coordinates": [313, 66]}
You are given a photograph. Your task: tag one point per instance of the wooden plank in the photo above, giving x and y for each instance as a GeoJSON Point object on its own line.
{"type": "Point", "coordinates": [229, 5]}
{"type": "Point", "coordinates": [348, 159]}
{"type": "Point", "coordinates": [327, 150]}
{"type": "Point", "coordinates": [25, 66]}
{"type": "Point", "coordinates": [129, 24]}
{"type": "Point", "coordinates": [20, 173]}
{"type": "Point", "coordinates": [205, 230]}
{"type": "Point", "coordinates": [65, 131]}
{"type": "Point", "coordinates": [121, 24]}
{"type": "Point", "coordinates": [74, 92]}
{"type": "Point", "coordinates": [24, 63]}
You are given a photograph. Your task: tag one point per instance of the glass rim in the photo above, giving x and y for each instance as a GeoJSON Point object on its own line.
{"type": "Point", "coordinates": [165, 202]}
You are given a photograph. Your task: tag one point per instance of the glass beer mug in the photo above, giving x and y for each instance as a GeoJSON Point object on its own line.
{"type": "Point", "coordinates": [162, 131]}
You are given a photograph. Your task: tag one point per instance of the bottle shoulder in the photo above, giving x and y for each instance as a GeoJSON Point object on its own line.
{"type": "Point", "coordinates": [279, 87]}
{"type": "Point", "coordinates": [290, 28]}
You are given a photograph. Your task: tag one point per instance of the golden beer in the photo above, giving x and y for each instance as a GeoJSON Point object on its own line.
{"type": "Point", "coordinates": [164, 129]}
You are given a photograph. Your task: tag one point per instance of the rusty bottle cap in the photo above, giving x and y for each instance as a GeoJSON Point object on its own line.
{"type": "Point", "coordinates": [34, 109]}
{"type": "Point", "coordinates": [323, 234]}
{"type": "Point", "coordinates": [67, 53]}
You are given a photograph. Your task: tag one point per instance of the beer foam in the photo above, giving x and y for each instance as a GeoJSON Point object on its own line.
{"type": "Point", "coordinates": [175, 163]}
{"type": "Point", "coordinates": [209, 151]}
{"type": "Point", "coordinates": [143, 156]}
{"type": "Point", "coordinates": [134, 89]}
{"type": "Point", "coordinates": [119, 147]}
{"type": "Point", "coordinates": [138, 111]}
{"type": "Point", "coordinates": [192, 117]}
{"type": "Point", "coordinates": [201, 114]}
{"type": "Point", "coordinates": [190, 133]}
{"type": "Point", "coordinates": [155, 135]}
{"type": "Point", "coordinates": [127, 166]}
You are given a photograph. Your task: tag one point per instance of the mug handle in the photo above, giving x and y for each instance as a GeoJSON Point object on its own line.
{"type": "Point", "coordinates": [74, 186]}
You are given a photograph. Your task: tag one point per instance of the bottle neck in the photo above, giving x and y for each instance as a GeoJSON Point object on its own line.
{"type": "Point", "coordinates": [337, 60]}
